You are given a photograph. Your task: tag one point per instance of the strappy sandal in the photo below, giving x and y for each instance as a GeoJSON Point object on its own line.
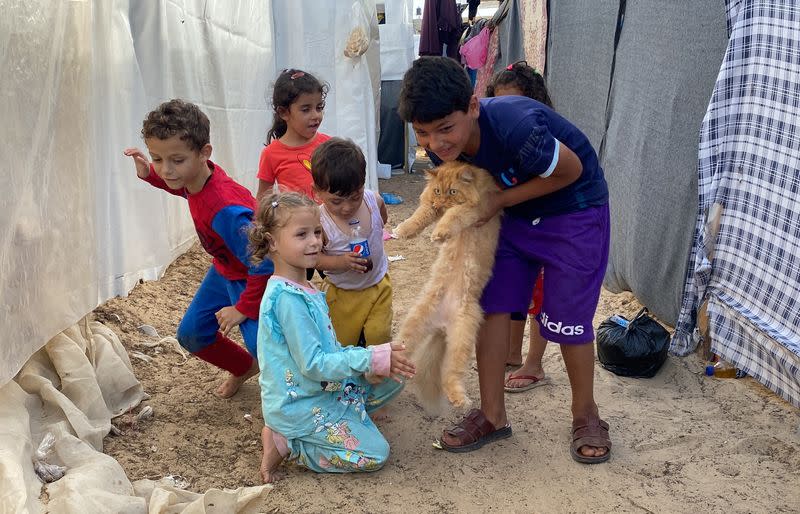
{"type": "Point", "coordinates": [534, 382]}
{"type": "Point", "coordinates": [473, 432]}
{"type": "Point", "coordinates": [589, 431]}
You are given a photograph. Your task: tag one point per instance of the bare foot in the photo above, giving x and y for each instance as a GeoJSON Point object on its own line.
{"type": "Point", "coordinates": [271, 458]}
{"type": "Point", "coordinates": [597, 430]}
{"type": "Point", "coordinates": [525, 371]}
{"type": "Point", "coordinates": [592, 451]}
{"type": "Point", "coordinates": [232, 384]}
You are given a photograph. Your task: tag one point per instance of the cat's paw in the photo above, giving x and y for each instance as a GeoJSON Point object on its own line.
{"type": "Point", "coordinates": [459, 400]}
{"type": "Point", "coordinates": [402, 231]}
{"type": "Point", "coordinates": [440, 235]}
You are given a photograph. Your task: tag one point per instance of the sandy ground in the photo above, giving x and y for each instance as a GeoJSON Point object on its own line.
{"type": "Point", "coordinates": [682, 442]}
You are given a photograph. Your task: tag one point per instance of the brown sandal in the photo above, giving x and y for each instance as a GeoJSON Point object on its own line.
{"type": "Point", "coordinates": [589, 431]}
{"type": "Point", "coordinates": [472, 432]}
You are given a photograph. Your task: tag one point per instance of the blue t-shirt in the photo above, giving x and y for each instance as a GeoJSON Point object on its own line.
{"type": "Point", "coordinates": [520, 138]}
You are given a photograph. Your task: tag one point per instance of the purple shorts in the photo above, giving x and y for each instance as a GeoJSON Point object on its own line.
{"type": "Point", "coordinates": [573, 250]}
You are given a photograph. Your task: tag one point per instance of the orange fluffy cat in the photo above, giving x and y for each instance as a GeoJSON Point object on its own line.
{"type": "Point", "coordinates": [442, 326]}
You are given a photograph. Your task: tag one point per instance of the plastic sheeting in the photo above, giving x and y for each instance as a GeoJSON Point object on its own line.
{"type": "Point", "coordinates": [78, 227]}
{"type": "Point", "coordinates": [397, 39]}
{"type": "Point", "coordinates": [316, 44]}
{"type": "Point", "coordinates": [70, 389]}
{"type": "Point", "coordinates": [645, 122]}
{"type": "Point", "coordinates": [580, 49]}
{"type": "Point", "coordinates": [656, 104]}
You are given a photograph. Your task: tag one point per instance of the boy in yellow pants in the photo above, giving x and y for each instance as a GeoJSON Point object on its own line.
{"type": "Point", "coordinates": [359, 292]}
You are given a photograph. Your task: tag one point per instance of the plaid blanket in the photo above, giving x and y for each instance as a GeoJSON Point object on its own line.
{"type": "Point", "coordinates": [744, 259]}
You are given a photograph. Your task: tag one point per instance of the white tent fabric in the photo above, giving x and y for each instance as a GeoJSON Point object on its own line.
{"type": "Point", "coordinates": [745, 259]}
{"type": "Point", "coordinates": [70, 389]}
{"type": "Point", "coordinates": [397, 39]}
{"type": "Point", "coordinates": [316, 44]}
{"type": "Point", "coordinates": [78, 227]}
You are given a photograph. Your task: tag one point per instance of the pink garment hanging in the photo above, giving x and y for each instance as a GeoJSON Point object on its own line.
{"type": "Point", "coordinates": [485, 72]}
{"type": "Point", "coordinates": [475, 49]}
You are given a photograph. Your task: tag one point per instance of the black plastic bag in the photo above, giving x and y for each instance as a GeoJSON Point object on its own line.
{"type": "Point", "coordinates": [635, 348]}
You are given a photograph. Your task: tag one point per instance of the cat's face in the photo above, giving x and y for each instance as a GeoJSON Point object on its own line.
{"type": "Point", "coordinates": [452, 183]}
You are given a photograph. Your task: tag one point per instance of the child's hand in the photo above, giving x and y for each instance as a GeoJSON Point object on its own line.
{"type": "Point", "coordinates": [142, 164]}
{"type": "Point", "coordinates": [400, 367]}
{"type": "Point", "coordinates": [494, 204]}
{"type": "Point", "coordinates": [228, 317]}
{"type": "Point", "coordinates": [353, 261]}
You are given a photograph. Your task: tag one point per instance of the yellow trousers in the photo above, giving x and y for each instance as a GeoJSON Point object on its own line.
{"type": "Point", "coordinates": [368, 310]}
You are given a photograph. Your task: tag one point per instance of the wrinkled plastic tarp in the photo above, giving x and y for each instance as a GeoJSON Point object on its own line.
{"type": "Point", "coordinates": [71, 388]}
{"type": "Point", "coordinates": [77, 226]}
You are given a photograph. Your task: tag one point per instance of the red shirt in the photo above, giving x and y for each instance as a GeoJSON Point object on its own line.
{"type": "Point", "coordinates": [222, 212]}
{"type": "Point", "coordinates": [290, 166]}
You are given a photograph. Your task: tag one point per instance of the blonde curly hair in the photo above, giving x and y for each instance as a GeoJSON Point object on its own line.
{"type": "Point", "coordinates": [273, 213]}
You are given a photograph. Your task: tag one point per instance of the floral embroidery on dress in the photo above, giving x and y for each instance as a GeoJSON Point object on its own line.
{"type": "Point", "coordinates": [291, 387]}
{"type": "Point", "coordinates": [353, 394]}
{"type": "Point", "coordinates": [340, 434]}
{"type": "Point", "coordinates": [331, 387]}
{"type": "Point", "coordinates": [353, 460]}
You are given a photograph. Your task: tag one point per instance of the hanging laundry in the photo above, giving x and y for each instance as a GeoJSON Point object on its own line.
{"type": "Point", "coordinates": [510, 36]}
{"type": "Point", "coordinates": [533, 18]}
{"type": "Point", "coordinates": [441, 25]}
{"type": "Point", "coordinates": [473, 9]}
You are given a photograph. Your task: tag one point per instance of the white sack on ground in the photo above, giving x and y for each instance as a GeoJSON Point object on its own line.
{"type": "Point", "coordinates": [71, 388]}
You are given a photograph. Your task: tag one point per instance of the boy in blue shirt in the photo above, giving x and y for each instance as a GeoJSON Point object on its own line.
{"type": "Point", "coordinates": [556, 218]}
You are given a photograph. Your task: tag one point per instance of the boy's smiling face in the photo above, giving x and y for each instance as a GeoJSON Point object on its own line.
{"type": "Point", "coordinates": [449, 137]}
{"type": "Point", "coordinates": [178, 164]}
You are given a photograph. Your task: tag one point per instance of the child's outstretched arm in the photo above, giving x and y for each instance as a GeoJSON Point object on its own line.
{"type": "Point", "coordinates": [304, 341]}
{"type": "Point", "coordinates": [232, 224]}
{"type": "Point", "coordinates": [146, 172]}
{"type": "Point", "coordinates": [141, 162]}
{"type": "Point", "coordinates": [400, 366]}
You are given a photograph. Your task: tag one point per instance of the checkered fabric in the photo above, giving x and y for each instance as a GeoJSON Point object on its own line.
{"type": "Point", "coordinates": [749, 164]}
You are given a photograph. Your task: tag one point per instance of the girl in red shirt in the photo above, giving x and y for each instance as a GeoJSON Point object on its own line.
{"type": "Point", "coordinates": [298, 102]}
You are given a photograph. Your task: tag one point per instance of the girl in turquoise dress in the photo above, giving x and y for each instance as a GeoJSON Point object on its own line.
{"type": "Point", "coordinates": [316, 395]}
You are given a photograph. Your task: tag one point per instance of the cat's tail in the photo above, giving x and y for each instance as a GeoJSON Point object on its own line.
{"type": "Point", "coordinates": [428, 356]}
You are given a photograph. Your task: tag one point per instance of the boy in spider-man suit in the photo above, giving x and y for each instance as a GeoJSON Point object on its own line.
{"type": "Point", "coordinates": [177, 138]}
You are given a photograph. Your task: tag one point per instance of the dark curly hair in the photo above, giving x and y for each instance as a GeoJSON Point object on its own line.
{"type": "Point", "coordinates": [338, 167]}
{"type": "Point", "coordinates": [525, 78]}
{"type": "Point", "coordinates": [433, 88]}
{"type": "Point", "coordinates": [290, 84]}
{"type": "Point", "coordinates": [180, 118]}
